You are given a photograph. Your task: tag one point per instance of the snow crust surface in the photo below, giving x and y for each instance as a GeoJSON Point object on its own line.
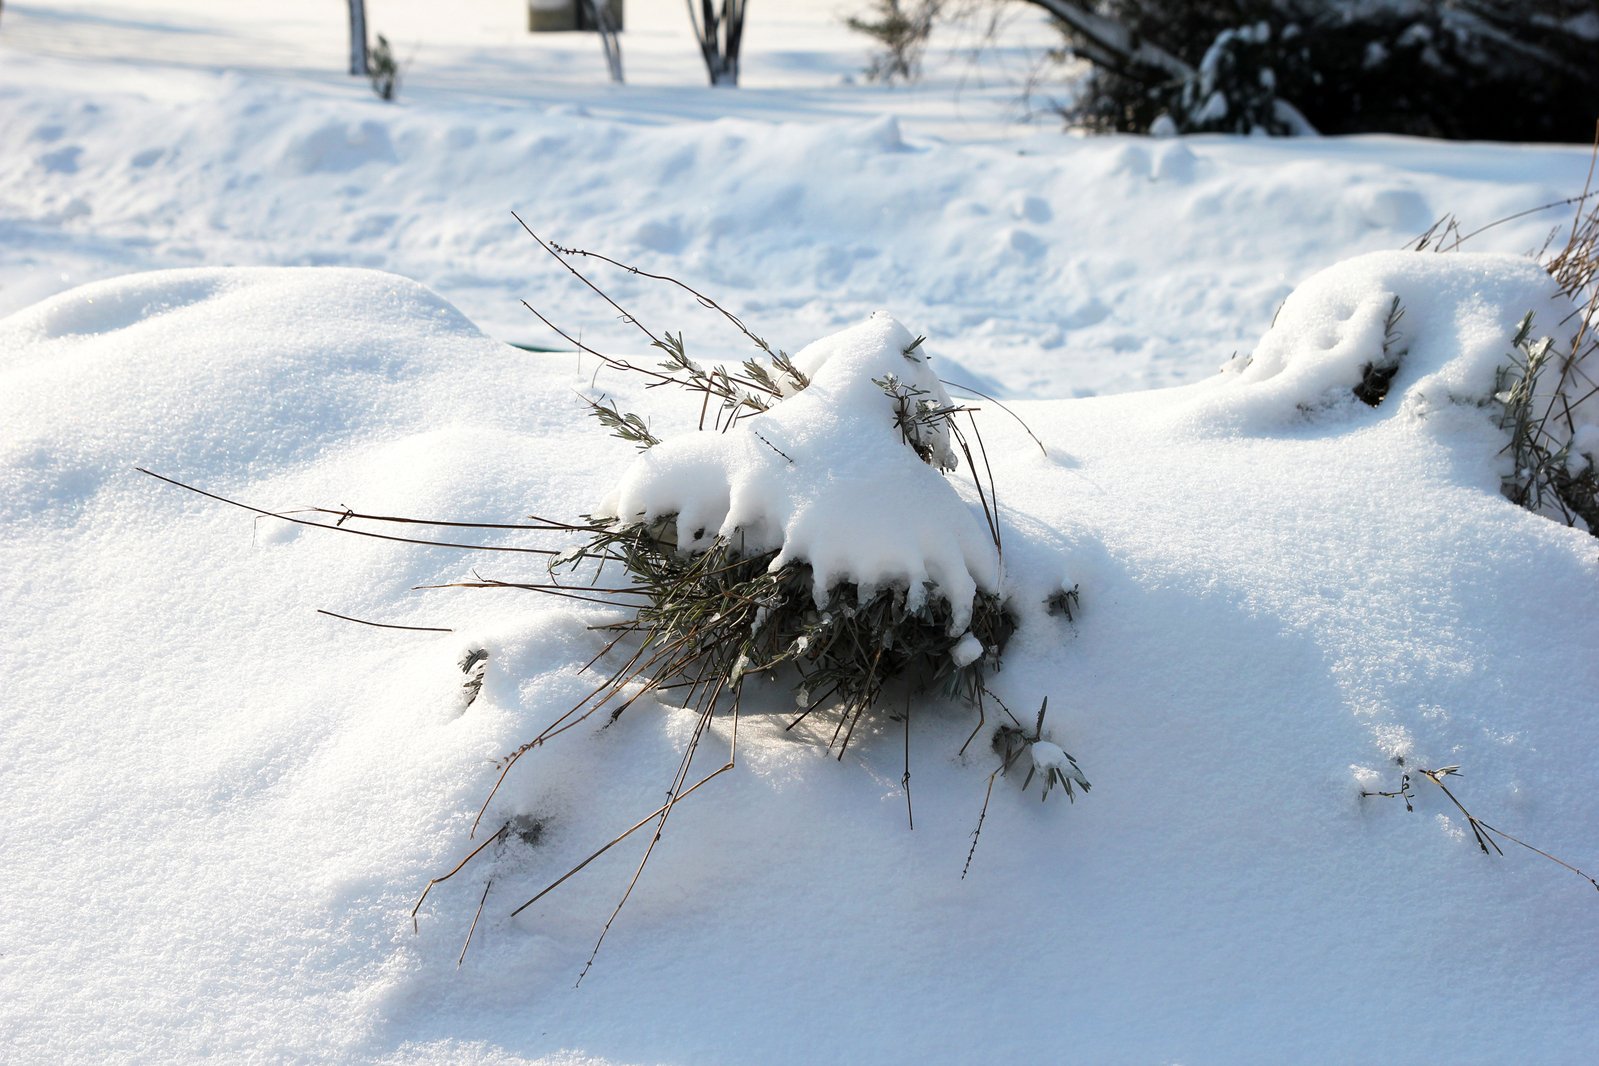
{"type": "Point", "coordinates": [247, 798]}
{"type": "Point", "coordinates": [220, 807]}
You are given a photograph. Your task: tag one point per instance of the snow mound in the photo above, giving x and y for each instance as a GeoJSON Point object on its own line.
{"type": "Point", "coordinates": [1465, 347]}
{"type": "Point", "coordinates": [151, 358]}
{"type": "Point", "coordinates": [1436, 329]}
{"type": "Point", "coordinates": [827, 477]}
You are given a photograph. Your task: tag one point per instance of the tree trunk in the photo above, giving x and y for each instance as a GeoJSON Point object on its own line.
{"type": "Point", "coordinates": [599, 16]}
{"type": "Point", "coordinates": [358, 61]}
{"type": "Point", "coordinates": [719, 36]}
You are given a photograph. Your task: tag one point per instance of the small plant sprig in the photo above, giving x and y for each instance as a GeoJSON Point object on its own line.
{"type": "Point", "coordinates": [1011, 742]}
{"type": "Point", "coordinates": [1065, 601]}
{"type": "Point", "coordinates": [739, 395]}
{"type": "Point", "coordinates": [625, 425]}
{"type": "Point", "coordinates": [923, 424]}
{"type": "Point", "coordinates": [1377, 375]}
{"type": "Point", "coordinates": [1545, 476]}
{"type": "Point", "coordinates": [1484, 834]}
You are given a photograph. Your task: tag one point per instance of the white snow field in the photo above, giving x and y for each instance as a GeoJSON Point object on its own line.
{"type": "Point", "coordinates": [219, 807]}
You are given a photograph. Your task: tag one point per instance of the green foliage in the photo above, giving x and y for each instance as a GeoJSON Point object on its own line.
{"type": "Point", "coordinates": [1491, 69]}
{"type": "Point", "coordinates": [901, 27]}
{"type": "Point", "coordinates": [382, 68]}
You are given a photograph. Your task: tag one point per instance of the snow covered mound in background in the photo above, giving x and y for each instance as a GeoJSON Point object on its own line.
{"type": "Point", "coordinates": [221, 807]}
{"type": "Point", "coordinates": [1441, 325]}
{"type": "Point", "coordinates": [827, 477]}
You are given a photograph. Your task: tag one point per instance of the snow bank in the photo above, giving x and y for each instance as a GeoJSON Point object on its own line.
{"type": "Point", "coordinates": [220, 807]}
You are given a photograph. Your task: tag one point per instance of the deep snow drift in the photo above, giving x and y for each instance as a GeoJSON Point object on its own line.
{"type": "Point", "coordinates": [222, 806]}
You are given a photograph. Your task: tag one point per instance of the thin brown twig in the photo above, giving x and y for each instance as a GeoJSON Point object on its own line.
{"type": "Point", "coordinates": [905, 782]}
{"type": "Point", "coordinates": [545, 525]}
{"type": "Point", "coordinates": [640, 824]}
{"type": "Point", "coordinates": [1480, 829]}
{"type": "Point", "coordinates": [553, 590]}
{"type": "Point", "coordinates": [555, 251]}
{"type": "Point", "coordinates": [385, 625]}
{"type": "Point", "coordinates": [985, 396]}
{"type": "Point", "coordinates": [991, 515]}
{"type": "Point", "coordinates": [1582, 198]}
{"type": "Point", "coordinates": [462, 957]}
{"type": "Point", "coordinates": [608, 360]}
{"type": "Point", "coordinates": [982, 814]}
{"type": "Point", "coordinates": [345, 529]}
{"type": "Point", "coordinates": [705, 301]}
{"type": "Point", "coordinates": [458, 866]}
{"type": "Point", "coordinates": [666, 812]}
{"type": "Point", "coordinates": [536, 586]}
{"type": "Point", "coordinates": [982, 717]}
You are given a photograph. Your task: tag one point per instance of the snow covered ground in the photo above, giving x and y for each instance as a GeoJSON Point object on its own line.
{"type": "Point", "coordinates": [219, 807]}
{"type": "Point", "coordinates": [1047, 265]}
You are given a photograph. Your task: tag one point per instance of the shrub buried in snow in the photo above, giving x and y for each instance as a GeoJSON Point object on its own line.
{"type": "Point", "coordinates": [815, 534]}
{"type": "Point", "coordinates": [810, 531]}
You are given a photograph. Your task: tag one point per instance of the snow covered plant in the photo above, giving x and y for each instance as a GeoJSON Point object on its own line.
{"type": "Point", "coordinates": [809, 534]}
{"type": "Point", "coordinates": [1554, 435]}
{"type": "Point", "coordinates": [1548, 389]}
{"type": "Point", "coordinates": [1563, 443]}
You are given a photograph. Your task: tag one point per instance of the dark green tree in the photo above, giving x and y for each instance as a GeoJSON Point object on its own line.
{"type": "Point", "coordinates": [1519, 70]}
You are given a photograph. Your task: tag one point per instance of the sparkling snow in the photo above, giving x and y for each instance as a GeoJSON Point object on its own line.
{"type": "Point", "coordinates": [220, 806]}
